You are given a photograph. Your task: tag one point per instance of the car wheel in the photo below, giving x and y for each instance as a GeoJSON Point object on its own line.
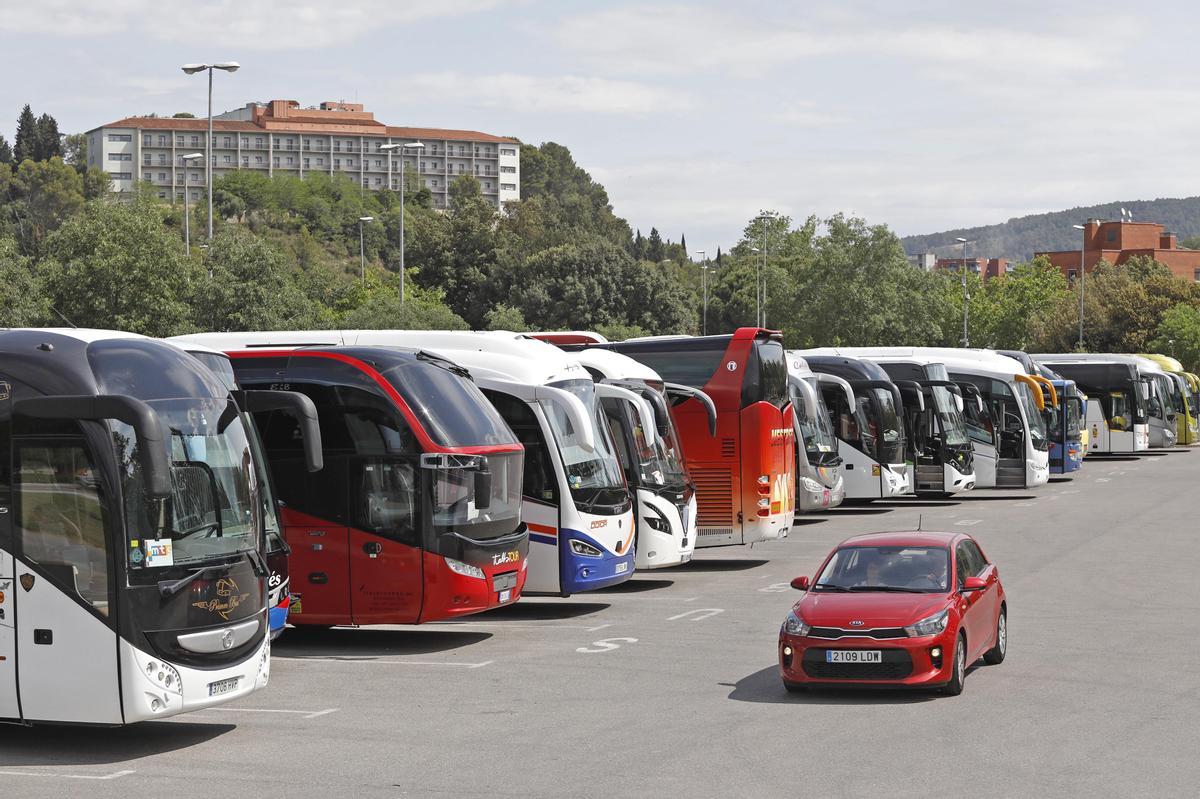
{"type": "Point", "coordinates": [996, 653]}
{"type": "Point", "coordinates": [959, 673]}
{"type": "Point", "coordinates": [795, 687]}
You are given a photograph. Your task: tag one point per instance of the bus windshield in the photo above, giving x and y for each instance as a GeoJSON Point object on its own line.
{"type": "Point", "coordinates": [815, 428]}
{"type": "Point", "coordinates": [658, 461]}
{"type": "Point", "coordinates": [593, 477]}
{"type": "Point", "coordinates": [951, 420]}
{"type": "Point", "coordinates": [1074, 416]}
{"type": "Point", "coordinates": [766, 376]}
{"type": "Point", "coordinates": [1033, 416]}
{"type": "Point", "coordinates": [890, 431]}
{"type": "Point", "coordinates": [448, 404]}
{"type": "Point", "coordinates": [216, 507]}
{"type": "Point", "coordinates": [466, 501]}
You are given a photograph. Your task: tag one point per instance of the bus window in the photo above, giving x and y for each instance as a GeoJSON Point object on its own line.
{"type": "Point", "coordinates": [1117, 410]}
{"type": "Point", "coordinates": [61, 518]}
{"type": "Point", "coordinates": [539, 481]}
{"type": "Point", "coordinates": [688, 364]}
{"type": "Point", "coordinates": [766, 375]}
{"type": "Point", "coordinates": [979, 421]}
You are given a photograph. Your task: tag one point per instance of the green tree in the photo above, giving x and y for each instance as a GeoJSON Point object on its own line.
{"type": "Point", "coordinates": [44, 195]}
{"type": "Point", "coordinates": [25, 143]}
{"type": "Point", "coordinates": [252, 287]}
{"type": "Point", "coordinates": [6, 152]}
{"type": "Point", "coordinates": [115, 266]}
{"type": "Point", "coordinates": [22, 300]}
{"type": "Point", "coordinates": [505, 317]}
{"type": "Point", "coordinates": [74, 149]}
{"type": "Point", "coordinates": [655, 251]}
{"type": "Point", "coordinates": [1178, 334]}
{"type": "Point", "coordinates": [382, 310]}
{"type": "Point", "coordinates": [464, 271]}
{"type": "Point", "coordinates": [183, 115]}
{"type": "Point", "coordinates": [47, 139]}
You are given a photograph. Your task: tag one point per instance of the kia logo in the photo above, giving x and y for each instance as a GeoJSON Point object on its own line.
{"type": "Point", "coordinates": [856, 623]}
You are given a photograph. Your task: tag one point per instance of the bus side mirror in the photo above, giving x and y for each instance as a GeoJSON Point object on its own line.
{"type": "Point", "coordinates": [483, 489]}
{"type": "Point", "coordinates": [296, 405]}
{"type": "Point", "coordinates": [800, 583]}
{"type": "Point", "coordinates": [152, 440]}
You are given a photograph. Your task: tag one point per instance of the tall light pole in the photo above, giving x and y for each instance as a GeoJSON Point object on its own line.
{"type": "Point", "coordinates": [761, 283]}
{"type": "Point", "coordinates": [362, 253]}
{"type": "Point", "coordinates": [187, 223]}
{"type": "Point", "coordinates": [704, 288]}
{"type": "Point", "coordinates": [192, 69]}
{"type": "Point", "coordinates": [1082, 269]}
{"type": "Point", "coordinates": [757, 282]}
{"type": "Point", "coordinates": [418, 146]}
{"type": "Point", "coordinates": [966, 341]}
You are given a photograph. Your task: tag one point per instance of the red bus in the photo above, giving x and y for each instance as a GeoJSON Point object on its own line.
{"type": "Point", "coordinates": [417, 514]}
{"type": "Point", "coordinates": [744, 465]}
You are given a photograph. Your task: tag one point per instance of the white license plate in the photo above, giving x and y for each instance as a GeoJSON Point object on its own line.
{"type": "Point", "coordinates": [853, 656]}
{"type": "Point", "coordinates": [223, 686]}
{"type": "Point", "coordinates": [505, 595]}
{"type": "Point", "coordinates": [686, 557]}
{"type": "Point", "coordinates": [621, 567]}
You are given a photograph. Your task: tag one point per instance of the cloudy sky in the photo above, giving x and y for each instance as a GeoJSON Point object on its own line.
{"type": "Point", "coordinates": [920, 115]}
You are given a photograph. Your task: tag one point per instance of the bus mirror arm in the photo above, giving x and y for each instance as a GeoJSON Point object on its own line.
{"type": "Point", "coordinates": [644, 411]}
{"type": "Point", "coordinates": [687, 392]}
{"type": "Point", "coordinates": [152, 446]}
{"type": "Point", "coordinates": [294, 404]}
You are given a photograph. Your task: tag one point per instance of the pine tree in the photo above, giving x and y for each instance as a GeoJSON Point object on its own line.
{"type": "Point", "coordinates": [47, 141]}
{"type": "Point", "coordinates": [718, 256]}
{"type": "Point", "coordinates": [683, 245]}
{"type": "Point", "coordinates": [655, 251]}
{"type": "Point", "coordinates": [6, 153]}
{"type": "Point", "coordinates": [639, 246]}
{"type": "Point", "coordinates": [25, 144]}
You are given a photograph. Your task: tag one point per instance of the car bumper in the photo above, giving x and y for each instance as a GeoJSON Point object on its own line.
{"type": "Point", "coordinates": [909, 662]}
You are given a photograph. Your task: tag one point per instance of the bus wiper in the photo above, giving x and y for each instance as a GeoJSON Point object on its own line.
{"type": "Point", "coordinates": [169, 588]}
{"type": "Point", "coordinates": [256, 563]}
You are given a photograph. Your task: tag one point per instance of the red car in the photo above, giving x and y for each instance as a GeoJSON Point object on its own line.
{"type": "Point", "coordinates": [895, 609]}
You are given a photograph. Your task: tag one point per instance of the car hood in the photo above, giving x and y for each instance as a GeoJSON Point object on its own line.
{"type": "Point", "coordinates": [873, 609]}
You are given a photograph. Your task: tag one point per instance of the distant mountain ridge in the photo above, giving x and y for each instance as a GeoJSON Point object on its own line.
{"type": "Point", "coordinates": [1019, 238]}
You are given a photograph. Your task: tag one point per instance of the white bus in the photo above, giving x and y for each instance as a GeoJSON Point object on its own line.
{"type": "Point", "coordinates": [132, 550]}
{"type": "Point", "coordinates": [634, 400]}
{"type": "Point", "coordinates": [1118, 407]}
{"type": "Point", "coordinates": [819, 471]}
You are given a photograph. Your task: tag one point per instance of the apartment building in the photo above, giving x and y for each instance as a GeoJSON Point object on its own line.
{"type": "Point", "coordinates": [1118, 241]}
{"type": "Point", "coordinates": [282, 138]}
{"type": "Point", "coordinates": [984, 267]}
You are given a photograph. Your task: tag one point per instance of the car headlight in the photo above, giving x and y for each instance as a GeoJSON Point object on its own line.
{"type": "Point", "coordinates": [810, 485]}
{"type": "Point", "coordinates": [584, 548]}
{"type": "Point", "coordinates": [794, 625]}
{"type": "Point", "coordinates": [930, 625]}
{"type": "Point", "coordinates": [465, 569]}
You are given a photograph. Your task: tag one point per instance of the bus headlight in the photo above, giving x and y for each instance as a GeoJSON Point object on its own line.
{"type": "Point", "coordinates": [810, 485]}
{"type": "Point", "coordinates": [465, 569]}
{"type": "Point", "coordinates": [584, 548]}
{"type": "Point", "coordinates": [163, 675]}
{"type": "Point", "coordinates": [655, 521]}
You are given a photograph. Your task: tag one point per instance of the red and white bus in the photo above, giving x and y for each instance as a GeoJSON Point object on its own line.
{"type": "Point", "coordinates": [416, 516]}
{"type": "Point", "coordinates": [743, 460]}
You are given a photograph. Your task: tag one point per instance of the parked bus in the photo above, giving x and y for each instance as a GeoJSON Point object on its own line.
{"type": "Point", "coordinates": [868, 424]}
{"type": "Point", "coordinates": [1157, 389]}
{"type": "Point", "coordinates": [1183, 400]}
{"type": "Point", "coordinates": [279, 595]}
{"type": "Point", "coordinates": [635, 403]}
{"type": "Point", "coordinates": [577, 505]}
{"type": "Point", "coordinates": [744, 465]}
{"type": "Point", "coordinates": [417, 514]}
{"type": "Point", "coordinates": [1116, 415]}
{"type": "Point", "coordinates": [820, 484]}
{"type": "Point", "coordinates": [133, 582]}
{"type": "Point", "coordinates": [1065, 430]}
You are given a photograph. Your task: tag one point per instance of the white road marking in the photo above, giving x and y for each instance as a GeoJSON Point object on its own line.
{"type": "Point", "coordinates": [967, 522]}
{"type": "Point", "coordinates": [605, 645]}
{"type": "Point", "coordinates": [1023, 505]}
{"type": "Point", "coordinates": [776, 588]}
{"type": "Point", "coordinates": [598, 627]}
{"type": "Point", "coordinates": [113, 776]}
{"type": "Point", "coordinates": [700, 614]}
{"type": "Point", "coordinates": [1102, 480]}
{"type": "Point", "coordinates": [691, 599]}
{"type": "Point", "coordinates": [307, 714]}
{"type": "Point", "coordinates": [379, 662]}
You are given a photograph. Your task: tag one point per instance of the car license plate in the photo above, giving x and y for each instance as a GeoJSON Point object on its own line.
{"type": "Point", "coordinates": [504, 582]}
{"type": "Point", "coordinates": [853, 656]}
{"type": "Point", "coordinates": [505, 596]}
{"type": "Point", "coordinates": [622, 567]}
{"type": "Point", "coordinates": [223, 686]}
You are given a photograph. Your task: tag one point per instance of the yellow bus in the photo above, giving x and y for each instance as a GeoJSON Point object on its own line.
{"type": "Point", "coordinates": [1187, 403]}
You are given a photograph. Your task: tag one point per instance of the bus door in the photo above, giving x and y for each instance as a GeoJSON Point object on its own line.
{"type": "Point", "coordinates": [9, 708]}
{"type": "Point", "coordinates": [982, 432]}
{"type": "Point", "coordinates": [918, 428]}
{"type": "Point", "coordinates": [64, 589]}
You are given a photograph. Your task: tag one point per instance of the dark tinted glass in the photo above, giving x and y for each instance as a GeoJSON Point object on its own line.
{"type": "Point", "coordinates": [766, 375]}
{"type": "Point", "coordinates": [449, 406]}
{"type": "Point", "coordinates": [219, 365]}
{"type": "Point", "coordinates": [691, 367]}
{"type": "Point", "coordinates": [150, 370]}
{"type": "Point", "coordinates": [540, 482]}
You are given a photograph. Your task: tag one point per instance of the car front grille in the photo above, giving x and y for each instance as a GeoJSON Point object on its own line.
{"type": "Point", "coordinates": [879, 634]}
{"type": "Point", "coordinates": [896, 665]}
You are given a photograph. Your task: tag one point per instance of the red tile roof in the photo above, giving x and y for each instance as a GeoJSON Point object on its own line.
{"type": "Point", "coordinates": [370, 128]}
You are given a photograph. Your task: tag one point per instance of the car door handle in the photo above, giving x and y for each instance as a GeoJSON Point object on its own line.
{"type": "Point", "coordinates": [372, 548]}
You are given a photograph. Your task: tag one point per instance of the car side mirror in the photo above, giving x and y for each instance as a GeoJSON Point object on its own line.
{"type": "Point", "coordinates": [800, 583]}
{"type": "Point", "coordinates": [973, 584]}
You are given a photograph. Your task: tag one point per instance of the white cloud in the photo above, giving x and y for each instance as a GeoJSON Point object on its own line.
{"type": "Point", "coordinates": [242, 24]}
{"type": "Point", "coordinates": [565, 94]}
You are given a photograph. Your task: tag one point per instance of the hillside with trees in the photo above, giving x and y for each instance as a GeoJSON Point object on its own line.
{"type": "Point", "coordinates": [1019, 238]}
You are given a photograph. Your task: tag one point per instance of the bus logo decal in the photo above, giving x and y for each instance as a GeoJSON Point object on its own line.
{"type": "Point", "coordinates": [27, 581]}
{"type": "Point", "coordinates": [229, 598]}
{"type": "Point", "coordinates": [227, 639]}
{"type": "Point", "coordinates": [731, 366]}
{"type": "Point", "coordinates": [598, 523]}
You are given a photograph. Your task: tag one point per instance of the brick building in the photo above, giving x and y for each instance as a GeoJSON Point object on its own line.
{"type": "Point", "coordinates": [985, 267]}
{"type": "Point", "coordinates": [1117, 242]}
{"type": "Point", "coordinates": [282, 138]}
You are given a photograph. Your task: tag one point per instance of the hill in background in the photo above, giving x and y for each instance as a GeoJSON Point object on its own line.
{"type": "Point", "coordinates": [1019, 238]}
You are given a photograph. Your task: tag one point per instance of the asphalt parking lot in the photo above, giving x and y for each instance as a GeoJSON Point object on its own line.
{"type": "Point", "coordinates": [667, 685]}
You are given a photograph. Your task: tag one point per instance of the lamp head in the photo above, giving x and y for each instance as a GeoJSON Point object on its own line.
{"type": "Point", "coordinates": [228, 66]}
{"type": "Point", "coordinates": [366, 219]}
{"type": "Point", "coordinates": [192, 69]}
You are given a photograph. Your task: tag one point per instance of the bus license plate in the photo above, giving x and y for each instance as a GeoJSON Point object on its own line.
{"type": "Point", "coordinates": [621, 567]}
{"type": "Point", "coordinates": [223, 686]}
{"type": "Point", "coordinates": [685, 557]}
{"type": "Point", "coordinates": [504, 582]}
{"type": "Point", "coordinates": [853, 656]}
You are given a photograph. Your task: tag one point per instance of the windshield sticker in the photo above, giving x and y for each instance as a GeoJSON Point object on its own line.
{"type": "Point", "coordinates": [5, 390]}
{"type": "Point", "coordinates": [159, 552]}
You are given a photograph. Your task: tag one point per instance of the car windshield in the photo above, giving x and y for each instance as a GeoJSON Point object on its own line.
{"type": "Point", "coordinates": [216, 505]}
{"type": "Point", "coordinates": [916, 569]}
{"type": "Point", "coordinates": [589, 474]}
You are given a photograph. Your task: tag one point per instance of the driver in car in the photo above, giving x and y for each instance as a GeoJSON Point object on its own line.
{"type": "Point", "coordinates": [934, 575]}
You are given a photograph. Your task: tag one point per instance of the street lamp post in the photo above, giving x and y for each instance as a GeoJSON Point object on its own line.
{"type": "Point", "coordinates": [362, 253]}
{"type": "Point", "coordinates": [187, 223]}
{"type": "Point", "coordinates": [757, 282]}
{"type": "Point", "coordinates": [704, 288]}
{"type": "Point", "coordinates": [966, 341]}
{"type": "Point", "coordinates": [418, 146]}
{"type": "Point", "coordinates": [192, 69]}
{"type": "Point", "coordinates": [1082, 269]}
{"type": "Point", "coordinates": [760, 284]}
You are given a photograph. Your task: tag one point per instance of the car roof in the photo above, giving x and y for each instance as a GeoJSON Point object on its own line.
{"type": "Point", "coordinates": [906, 539]}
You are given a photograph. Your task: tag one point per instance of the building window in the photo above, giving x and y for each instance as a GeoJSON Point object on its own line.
{"type": "Point", "coordinates": [146, 159]}
{"type": "Point", "coordinates": [378, 181]}
{"type": "Point", "coordinates": [195, 141]}
{"type": "Point", "coordinates": [162, 195]}
{"type": "Point", "coordinates": [258, 159]}
{"type": "Point", "coordinates": [291, 143]}
{"type": "Point", "coordinates": [147, 139]}
{"type": "Point", "coordinates": [378, 164]}
{"type": "Point", "coordinates": [120, 137]}
{"type": "Point", "coordinates": [349, 162]}
{"type": "Point", "coordinates": [179, 195]}
{"type": "Point", "coordinates": [320, 162]}
{"type": "Point", "coordinates": [337, 162]}
{"type": "Point", "coordinates": [291, 161]}
{"type": "Point", "coordinates": [162, 159]}
{"type": "Point", "coordinates": [162, 175]}
{"type": "Point", "coordinates": [306, 163]}
{"type": "Point", "coordinates": [308, 142]}
{"type": "Point", "coordinates": [258, 142]}
{"type": "Point", "coordinates": [229, 159]}
{"type": "Point", "coordinates": [366, 183]}
{"type": "Point", "coordinates": [1111, 235]}
{"type": "Point", "coordinates": [487, 184]}
{"type": "Point", "coordinates": [245, 160]}
{"type": "Point", "coordinates": [121, 175]}
{"type": "Point", "coordinates": [195, 195]}
{"type": "Point", "coordinates": [226, 141]}
{"type": "Point", "coordinates": [433, 182]}
{"type": "Point", "coordinates": [275, 161]}
{"type": "Point", "coordinates": [1196, 275]}
{"type": "Point", "coordinates": [1071, 274]}
{"type": "Point", "coordinates": [337, 146]}
{"type": "Point", "coordinates": [245, 141]}
{"type": "Point", "coordinates": [178, 141]}
{"type": "Point", "coordinates": [509, 169]}
{"type": "Point", "coordinates": [147, 176]}
{"type": "Point", "coordinates": [507, 151]}
{"type": "Point", "coordinates": [508, 186]}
